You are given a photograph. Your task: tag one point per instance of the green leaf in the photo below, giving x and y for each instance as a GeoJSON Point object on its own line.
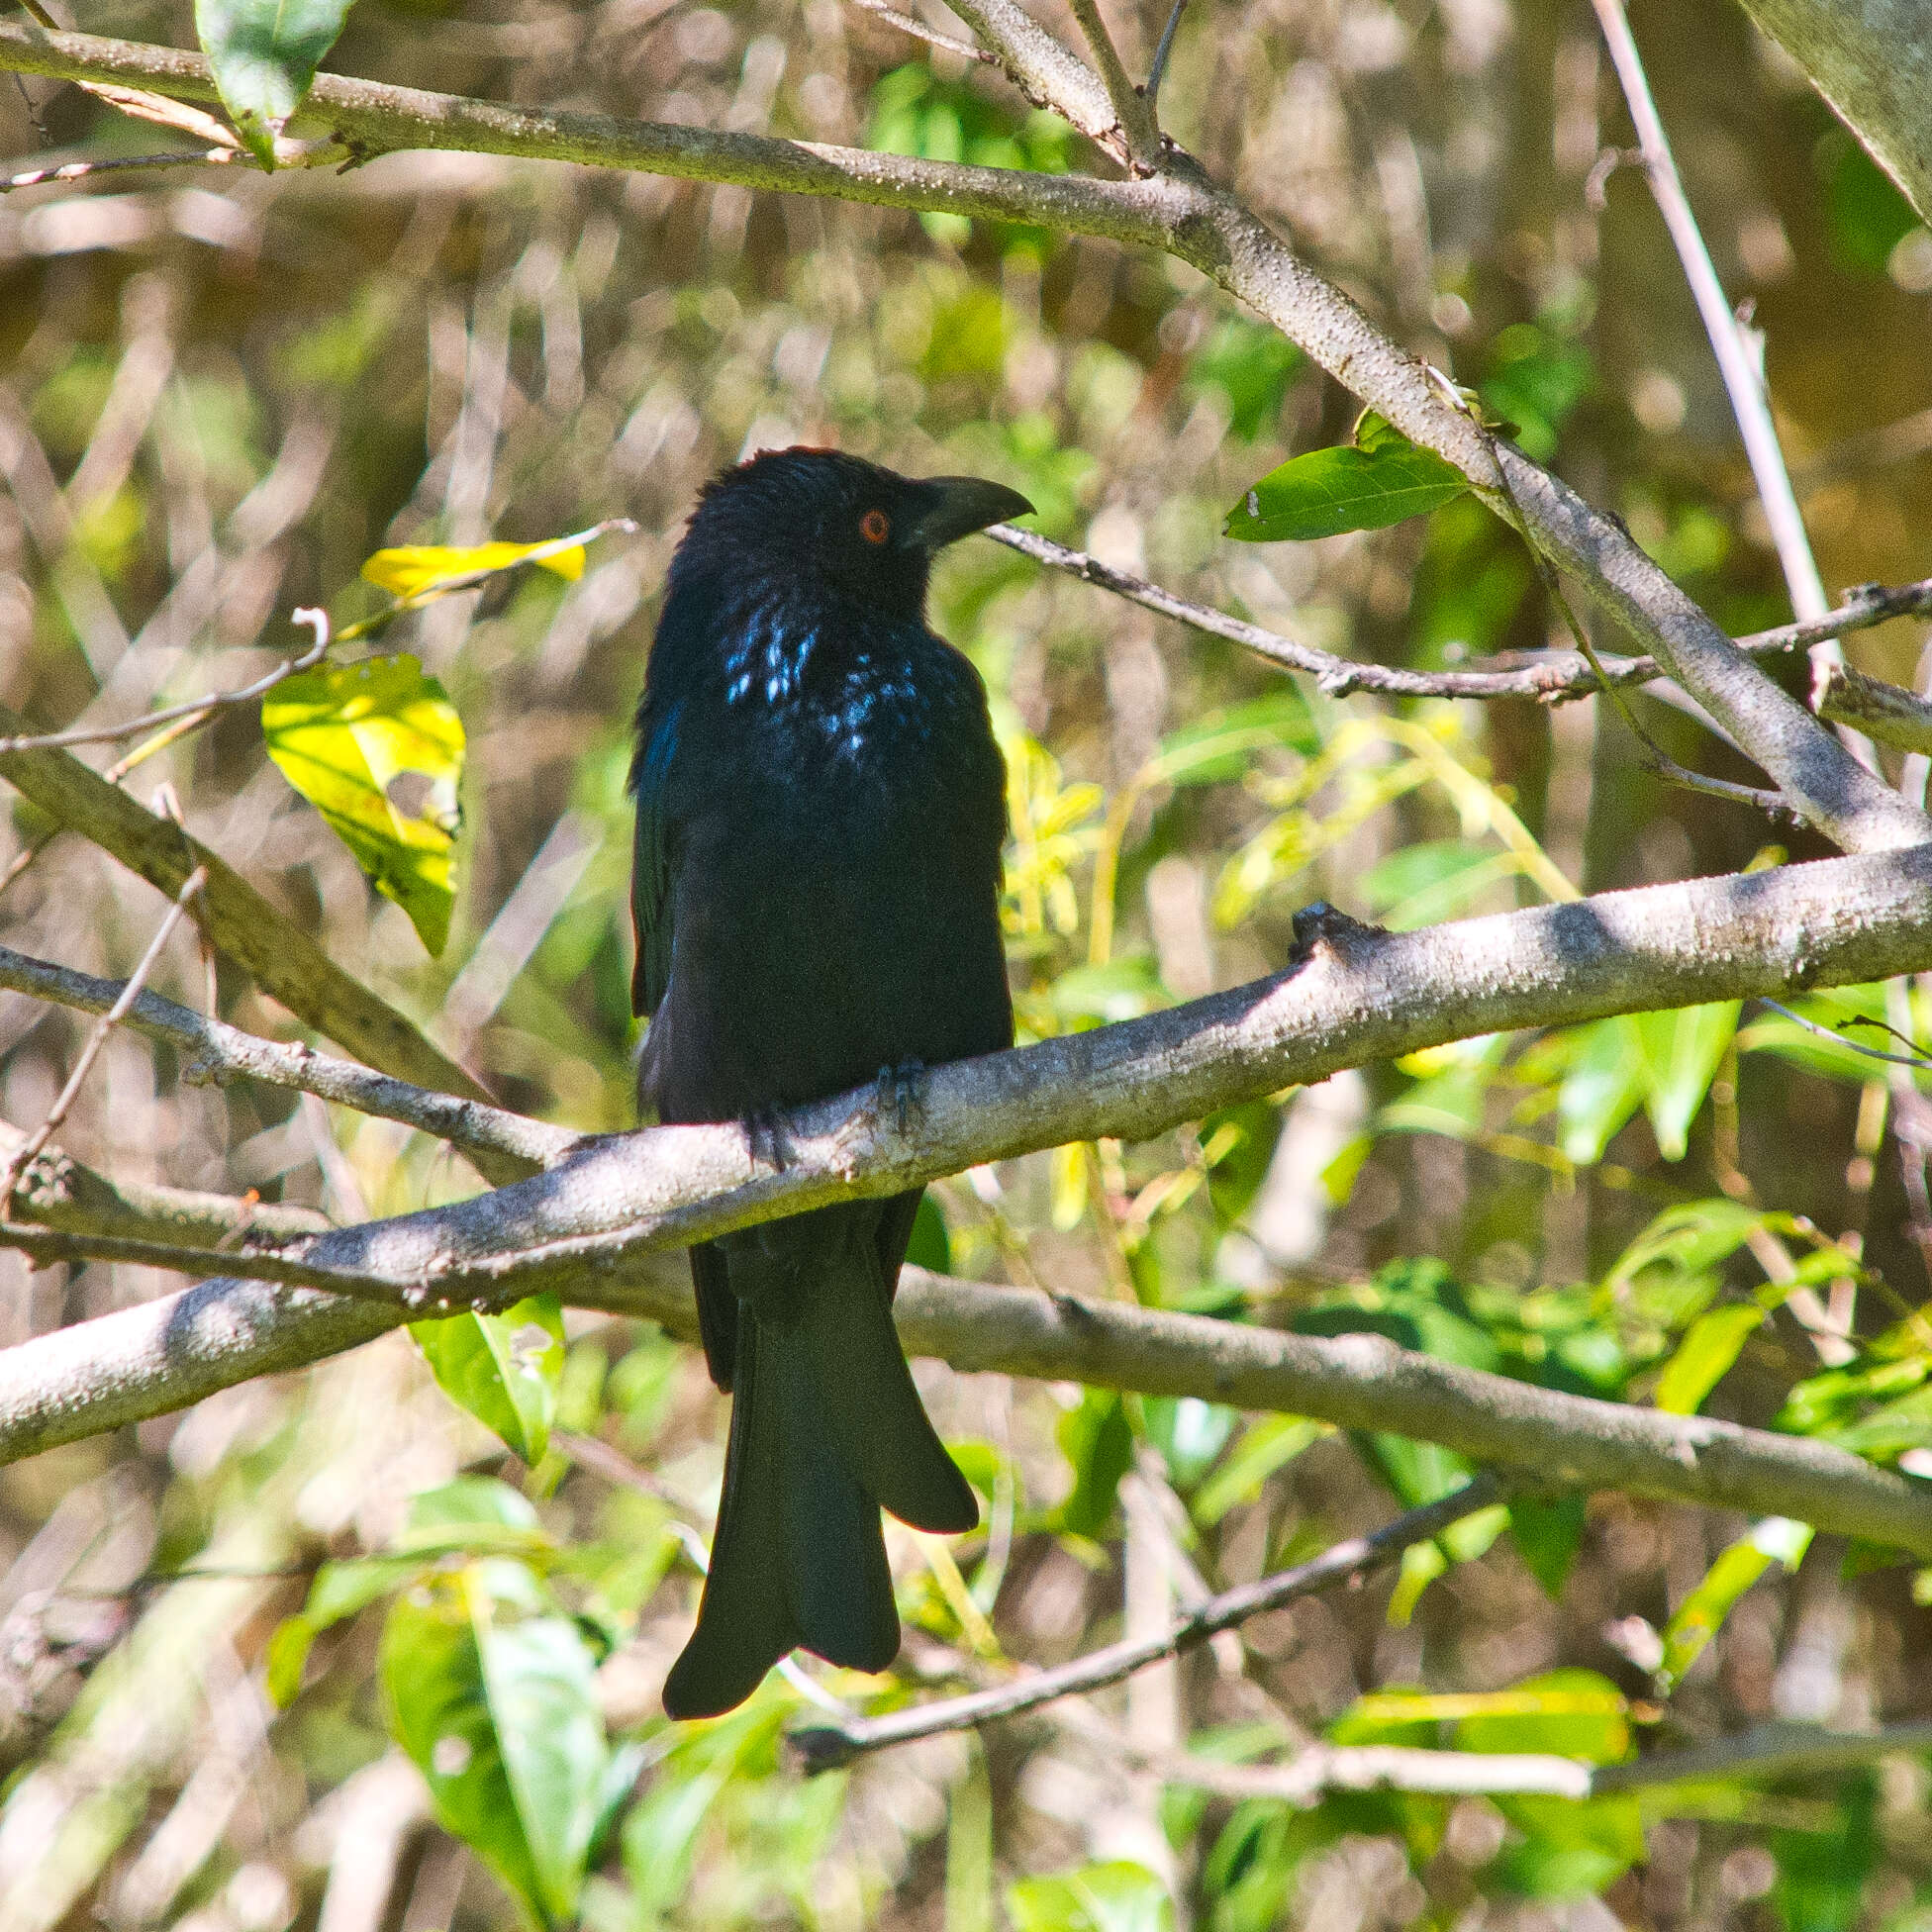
{"type": "Point", "coordinates": [493, 1698]}
{"type": "Point", "coordinates": [1118, 1896]}
{"type": "Point", "coordinates": [1710, 1346]}
{"type": "Point", "coordinates": [1682, 1053]}
{"type": "Point", "coordinates": [540, 1680]}
{"type": "Point", "coordinates": [1570, 1848]}
{"type": "Point", "coordinates": [931, 1245]}
{"type": "Point", "coordinates": [1098, 1442]}
{"type": "Point", "coordinates": [661, 1831]}
{"type": "Point", "coordinates": [1549, 1531]}
{"type": "Point", "coordinates": [1266, 1445]}
{"type": "Point", "coordinates": [1382, 478]}
{"type": "Point", "coordinates": [338, 1590]}
{"type": "Point", "coordinates": [264, 55]}
{"type": "Point", "coordinates": [1604, 1085]}
{"type": "Point", "coordinates": [1701, 1614]}
{"type": "Point", "coordinates": [432, 1670]}
{"type": "Point", "coordinates": [1189, 1432]}
{"type": "Point", "coordinates": [1571, 1713]}
{"type": "Point", "coordinates": [969, 1847]}
{"type": "Point", "coordinates": [504, 1369]}
{"type": "Point", "coordinates": [377, 748]}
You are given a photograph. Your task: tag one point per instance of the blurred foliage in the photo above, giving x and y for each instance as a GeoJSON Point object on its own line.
{"type": "Point", "coordinates": [465, 1560]}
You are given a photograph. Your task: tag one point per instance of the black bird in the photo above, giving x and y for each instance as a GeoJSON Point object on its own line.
{"type": "Point", "coordinates": [820, 812]}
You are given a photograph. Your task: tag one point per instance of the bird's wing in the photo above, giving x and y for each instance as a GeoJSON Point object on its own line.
{"type": "Point", "coordinates": [650, 869]}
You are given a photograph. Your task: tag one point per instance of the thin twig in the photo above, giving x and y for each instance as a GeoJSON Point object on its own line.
{"type": "Point", "coordinates": [826, 1748]}
{"type": "Point", "coordinates": [1833, 1034]}
{"type": "Point", "coordinates": [1656, 760]}
{"type": "Point", "coordinates": [1131, 112]}
{"type": "Point", "coordinates": [920, 31]}
{"type": "Point", "coordinates": [1739, 366]}
{"type": "Point", "coordinates": [112, 1018]}
{"type": "Point", "coordinates": [36, 177]}
{"type": "Point", "coordinates": [197, 709]}
{"type": "Point", "coordinates": [220, 1053]}
{"type": "Point", "coordinates": [1158, 67]}
{"type": "Point", "coordinates": [1763, 1753]}
{"type": "Point", "coordinates": [1550, 677]}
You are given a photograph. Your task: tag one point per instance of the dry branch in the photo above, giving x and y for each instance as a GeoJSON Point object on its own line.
{"type": "Point", "coordinates": [1545, 677]}
{"type": "Point", "coordinates": [827, 1747]}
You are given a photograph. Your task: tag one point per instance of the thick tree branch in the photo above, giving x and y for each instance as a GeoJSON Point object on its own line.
{"type": "Point", "coordinates": [511, 1143]}
{"type": "Point", "coordinates": [1182, 211]}
{"type": "Point", "coordinates": [1351, 1561]}
{"type": "Point", "coordinates": [588, 1226]}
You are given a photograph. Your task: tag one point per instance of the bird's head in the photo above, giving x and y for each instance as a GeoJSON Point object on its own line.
{"type": "Point", "coordinates": [820, 523]}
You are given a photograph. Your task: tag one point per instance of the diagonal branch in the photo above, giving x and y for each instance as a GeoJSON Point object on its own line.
{"type": "Point", "coordinates": [827, 1747]}
{"type": "Point", "coordinates": [1134, 115]}
{"type": "Point", "coordinates": [1182, 211]}
{"type": "Point", "coordinates": [238, 920]}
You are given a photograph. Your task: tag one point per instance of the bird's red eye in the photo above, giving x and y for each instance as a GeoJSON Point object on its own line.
{"type": "Point", "coordinates": [875, 526]}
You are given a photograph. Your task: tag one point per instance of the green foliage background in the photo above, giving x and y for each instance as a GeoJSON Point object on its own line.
{"type": "Point", "coordinates": [222, 394]}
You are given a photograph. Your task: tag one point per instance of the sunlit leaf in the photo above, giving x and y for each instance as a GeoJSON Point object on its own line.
{"type": "Point", "coordinates": [263, 54]}
{"type": "Point", "coordinates": [1682, 1052]}
{"type": "Point", "coordinates": [1381, 478]}
{"type": "Point", "coordinates": [1710, 1346]}
{"type": "Point", "coordinates": [504, 1369]}
{"type": "Point", "coordinates": [418, 568]}
{"type": "Point", "coordinates": [1701, 1614]}
{"type": "Point", "coordinates": [1267, 1445]}
{"type": "Point", "coordinates": [492, 1695]}
{"type": "Point", "coordinates": [1115, 1897]}
{"type": "Point", "coordinates": [1098, 1442]}
{"type": "Point", "coordinates": [378, 749]}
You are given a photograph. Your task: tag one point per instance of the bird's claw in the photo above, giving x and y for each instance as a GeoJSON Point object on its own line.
{"type": "Point", "coordinates": [902, 1091]}
{"type": "Point", "coordinates": [771, 1145]}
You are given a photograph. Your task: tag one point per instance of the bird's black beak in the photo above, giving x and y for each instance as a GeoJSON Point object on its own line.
{"type": "Point", "coordinates": [952, 507]}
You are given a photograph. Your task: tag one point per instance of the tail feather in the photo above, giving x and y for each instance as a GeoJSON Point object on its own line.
{"type": "Point", "coordinates": [827, 1426]}
{"type": "Point", "coordinates": [881, 1423]}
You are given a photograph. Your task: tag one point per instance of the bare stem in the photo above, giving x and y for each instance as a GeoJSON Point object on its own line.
{"type": "Point", "coordinates": [1546, 677]}
{"type": "Point", "coordinates": [827, 1747]}
{"type": "Point", "coordinates": [198, 709]}
{"type": "Point", "coordinates": [112, 1018]}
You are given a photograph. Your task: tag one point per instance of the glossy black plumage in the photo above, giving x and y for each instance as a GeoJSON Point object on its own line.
{"type": "Point", "coordinates": [821, 810]}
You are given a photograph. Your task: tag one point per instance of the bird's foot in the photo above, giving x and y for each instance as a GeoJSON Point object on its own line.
{"type": "Point", "coordinates": [902, 1091]}
{"type": "Point", "coordinates": [771, 1145]}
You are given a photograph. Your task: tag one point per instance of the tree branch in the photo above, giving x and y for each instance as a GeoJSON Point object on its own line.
{"type": "Point", "coordinates": [1885, 711]}
{"type": "Point", "coordinates": [1767, 1753]}
{"type": "Point", "coordinates": [283, 960]}
{"type": "Point", "coordinates": [59, 1193]}
{"type": "Point", "coordinates": [589, 1227]}
{"type": "Point", "coordinates": [827, 1747]}
{"type": "Point", "coordinates": [511, 1142]}
{"type": "Point", "coordinates": [1179, 210]}
{"type": "Point", "coordinates": [1546, 677]}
